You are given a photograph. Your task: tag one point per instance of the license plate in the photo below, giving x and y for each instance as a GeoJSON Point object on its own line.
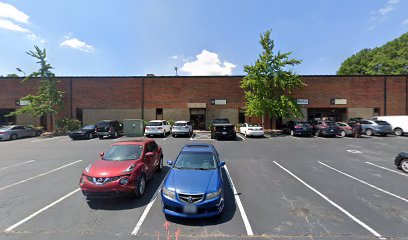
{"type": "Point", "coordinates": [103, 133]}
{"type": "Point", "coordinates": [224, 133]}
{"type": "Point", "coordinates": [190, 209]}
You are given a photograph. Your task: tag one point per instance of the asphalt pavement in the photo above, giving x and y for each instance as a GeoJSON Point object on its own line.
{"type": "Point", "coordinates": [277, 187]}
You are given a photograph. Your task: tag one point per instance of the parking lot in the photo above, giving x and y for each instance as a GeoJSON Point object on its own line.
{"type": "Point", "coordinates": [277, 187]}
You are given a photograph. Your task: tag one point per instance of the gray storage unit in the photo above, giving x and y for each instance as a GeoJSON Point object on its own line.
{"type": "Point", "coordinates": [133, 127]}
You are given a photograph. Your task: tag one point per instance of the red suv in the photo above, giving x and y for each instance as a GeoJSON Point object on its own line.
{"type": "Point", "coordinates": [123, 169]}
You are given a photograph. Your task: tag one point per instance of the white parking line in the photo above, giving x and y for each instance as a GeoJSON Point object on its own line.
{"type": "Point", "coordinates": [40, 211]}
{"type": "Point", "coordinates": [143, 217]}
{"type": "Point", "coordinates": [40, 175]}
{"type": "Point", "coordinates": [375, 233]}
{"type": "Point", "coordinates": [18, 164]}
{"type": "Point", "coordinates": [240, 206]}
{"type": "Point", "coordinates": [353, 151]}
{"type": "Point", "coordinates": [243, 139]}
{"type": "Point", "coordinates": [406, 138]}
{"type": "Point", "coordinates": [47, 139]}
{"type": "Point", "coordinates": [366, 183]}
{"type": "Point", "coordinates": [192, 136]}
{"type": "Point", "coordinates": [400, 173]}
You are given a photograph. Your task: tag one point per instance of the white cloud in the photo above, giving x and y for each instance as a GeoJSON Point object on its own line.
{"type": "Point", "coordinates": [77, 44]}
{"type": "Point", "coordinates": [9, 25]}
{"type": "Point", "coordinates": [380, 14]}
{"type": "Point", "coordinates": [34, 37]}
{"type": "Point", "coordinates": [175, 57]}
{"type": "Point", "coordinates": [208, 63]}
{"type": "Point", "coordinates": [11, 12]}
{"type": "Point", "coordinates": [405, 22]}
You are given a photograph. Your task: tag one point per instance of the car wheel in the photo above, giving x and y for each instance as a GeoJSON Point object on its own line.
{"type": "Point", "coordinates": [141, 186]}
{"type": "Point", "coordinates": [398, 131]}
{"type": "Point", "coordinates": [100, 137]}
{"type": "Point", "coordinates": [173, 135]}
{"type": "Point", "coordinates": [369, 132]}
{"type": "Point", "coordinates": [404, 165]}
{"type": "Point", "coordinates": [292, 133]}
{"type": "Point", "coordinates": [115, 135]}
{"type": "Point", "coordinates": [343, 133]}
{"type": "Point", "coordinates": [245, 134]}
{"type": "Point", "coordinates": [13, 136]}
{"type": "Point", "coordinates": [160, 167]}
{"type": "Point", "coordinates": [89, 136]}
{"type": "Point", "coordinates": [317, 133]}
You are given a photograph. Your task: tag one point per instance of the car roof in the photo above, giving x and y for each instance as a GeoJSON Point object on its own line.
{"type": "Point", "coordinates": [198, 147]}
{"type": "Point", "coordinates": [180, 121]}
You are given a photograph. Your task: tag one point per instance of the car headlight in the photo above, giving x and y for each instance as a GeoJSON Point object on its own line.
{"type": "Point", "coordinates": [168, 193]}
{"type": "Point", "coordinates": [124, 181]}
{"type": "Point", "coordinates": [213, 194]}
{"type": "Point", "coordinates": [88, 168]}
{"type": "Point", "coordinates": [130, 168]}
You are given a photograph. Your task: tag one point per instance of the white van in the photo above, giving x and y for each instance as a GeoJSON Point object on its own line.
{"type": "Point", "coordinates": [399, 124]}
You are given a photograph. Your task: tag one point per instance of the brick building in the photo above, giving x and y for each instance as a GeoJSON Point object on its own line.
{"type": "Point", "coordinates": [201, 99]}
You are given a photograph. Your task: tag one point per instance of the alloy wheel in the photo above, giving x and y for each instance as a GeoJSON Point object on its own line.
{"type": "Point", "coordinates": [404, 165]}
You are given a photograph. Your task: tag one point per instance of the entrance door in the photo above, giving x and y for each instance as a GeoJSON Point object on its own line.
{"type": "Point", "coordinates": [197, 117]}
{"type": "Point", "coordinates": [7, 120]}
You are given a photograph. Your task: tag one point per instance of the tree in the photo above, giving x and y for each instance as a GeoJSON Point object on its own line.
{"type": "Point", "coordinates": [390, 59]}
{"type": "Point", "coordinates": [48, 98]}
{"type": "Point", "coordinates": [12, 75]}
{"type": "Point", "coordinates": [269, 83]}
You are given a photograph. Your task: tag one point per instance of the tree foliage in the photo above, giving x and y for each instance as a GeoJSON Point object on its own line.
{"type": "Point", "coordinates": [390, 59]}
{"type": "Point", "coordinates": [269, 83]}
{"type": "Point", "coordinates": [48, 98]}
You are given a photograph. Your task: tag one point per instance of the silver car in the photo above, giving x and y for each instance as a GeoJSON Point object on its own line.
{"type": "Point", "coordinates": [18, 131]}
{"type": "Point", "coordinates": [182, 128]}
{"type": "Point", "coordinates": [371, 127]}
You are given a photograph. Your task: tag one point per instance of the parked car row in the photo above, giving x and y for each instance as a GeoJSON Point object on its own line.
{"type": "Point", "coordinates": [126, 167]}
{"type": "Point", "coordinates": [104, 128]}
{"type": "Point", "coordinates": [13, 132]}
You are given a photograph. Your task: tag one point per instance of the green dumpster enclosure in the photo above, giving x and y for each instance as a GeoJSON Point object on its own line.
{"type": "Point", "coordinates": [133, 127]}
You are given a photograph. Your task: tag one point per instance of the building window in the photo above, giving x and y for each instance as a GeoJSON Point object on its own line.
{"type": "Point", "coordinates": [159, 113]}
{"type": "Point", "coordinates": [241, 116]}
{"type": "Point", "coordinates": [376, 112]}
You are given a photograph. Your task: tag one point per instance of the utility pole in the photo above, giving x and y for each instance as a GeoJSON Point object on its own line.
{"type": "Point", "coordinates": [176, 68]}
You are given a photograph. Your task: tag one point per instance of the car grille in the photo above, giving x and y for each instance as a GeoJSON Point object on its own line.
{"type": "Point", "coordinates": [102, 180]}
{"type": "Point", "coordinates": [191, 198]}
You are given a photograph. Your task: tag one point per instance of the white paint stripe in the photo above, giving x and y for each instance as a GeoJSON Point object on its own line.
{"type": "Point", "coordinates": [366, 183]}
{"type": "Point", "coordinates": [192, 136]}
{"type": "Point", "coordinates": [40, 175]}
{"type": "Point", "coordinates": [18, 164]}
{"type": "Point", "coordinates": [333, 203]}
{"type": "Point", "coordinates": [243, 139]}
{"type": "Point", "coordinates": [400, 173]}
{"type": "Point", "coordinates": [406, 138]}
{"type": "Point", "coordinates": [46, 139]}
{"type": "Point", "coordinates": [40, 211]}
{"type": "Point", "coordinates": [239, 203]}
{"type": "Point", "coordinates": [353, 151]}
{"type": "Point", "coordinates": [143, 217]}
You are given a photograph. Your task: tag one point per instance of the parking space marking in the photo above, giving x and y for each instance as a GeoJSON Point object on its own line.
{"type": "Point", "coordinates": [239, 135]}
{"type": "Point", "coordinates": [366, 183]}
{"type": "Point", "coordinates": [375, 165]}
{"type": "Point", "coordinates": [400, 137]}
{"type": "Point", "coordinates": [18, 164]}
{"type": "Point", "coordinates": [375, 233]}
{"type": "Point", "coordinates": [40, 211]}
{"type": "Point", "coordinates": [353, 151]}
{"type": "Point", "coordinates": [143, 217]}
{"type": "Point", "coordinates": [240, 206]}
{"type": "Point", "coordinates": [192, 136]}
{"type": "Point", "coordinates": [40, 175]}
{"type": "Point", "coordinates": [47, 139]}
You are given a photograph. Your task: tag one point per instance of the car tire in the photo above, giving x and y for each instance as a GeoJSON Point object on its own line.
{"type": "Point", "coordinates": [343, 133]}
{"type": "Point", "coordinates": [100, 137]}
{"type": "Point", "coordinates": [404, 165]}
{"type": "Point", "coordinates": [115, 134]}
{"type": "Point", "coordinates": [173, 135]}
{"type": "Point", "coordinates": [245, 134]}
{"type": "Point", "coordinates": [292, 133]}
{"type": "Point", "coordinates": [398, 132]}
{"type": "Point", "coordinates": [89, 136]}
{"type": "Point", "coordinates": [140, 186]}
{"type": "Point", "coordinates": [317, 133]}
{"type": "Point", "coordinates": [13, 136]}
{"type": "Point", "coordinates": [164, 134]}
{"type": "Point", "coordinates": [369, 132]}
{"type": "Point", "coordinates": [160, 167]}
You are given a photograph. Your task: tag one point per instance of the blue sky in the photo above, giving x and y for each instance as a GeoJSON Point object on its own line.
{"type": "Point", "coordinates": [211, 37]}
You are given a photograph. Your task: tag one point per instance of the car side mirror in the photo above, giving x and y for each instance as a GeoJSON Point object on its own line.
{"type": "Point", "coordinates": [221, 164]}
{"type": "Point", "coordinates": [149, 155]}
{"type": "Point", "coordinates": [170, 162]}
{"type": "Point", "coordinates": [101, 154]}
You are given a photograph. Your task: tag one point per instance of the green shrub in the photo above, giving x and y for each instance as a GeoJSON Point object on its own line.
{"type": "Point", "coordinates": [171, 122]}
{"type": "Point", "coordinates": [65, 125]}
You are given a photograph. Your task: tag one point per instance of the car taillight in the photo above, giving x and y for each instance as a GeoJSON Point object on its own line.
{"type": "Point", "coordinates": [160, 128]}
{"type": "Point", "coordinates": [250, 129]}
{"type": "Point", "coordinates": [147, 128]}
{"type": "Point", "coordinates": [297, 127]}
{"type": "Point", "coordinates": [261, 128]}
{"type": "Point", "coordinates": [185, 126]}
{"type": "Point", "coordinates": [349, 128]}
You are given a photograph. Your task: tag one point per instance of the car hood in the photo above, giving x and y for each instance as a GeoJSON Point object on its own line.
{"type": "Point", "coordinates": [192, 181]}
{"type": "Point", "coordinates": [78, 131]}
{"type": "Point", "coordinates": [103, 168]}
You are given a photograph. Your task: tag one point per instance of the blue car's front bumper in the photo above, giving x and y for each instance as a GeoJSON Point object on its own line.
{"type": "Point", "coordinates": [206, 208]}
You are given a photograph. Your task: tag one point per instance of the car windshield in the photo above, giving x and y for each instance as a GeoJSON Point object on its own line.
{"type": "Point", "coordinates": [221, 120]}
{"type": "Point", "coordinates": [195, 160]}
{"type": "Point", "coordinates": [89, 127]}
{"type": "Point", "coordinates": [123, 153]}
{"type": "Point", "coordinates": [331, 124]}
{"type": "Point", "coordinates": [303, 124]}
{"type": "Point", "coordinates": [253, 125]}
{"type": "Point", "coordinates": [382, 122]}
{"type": "Point", "coordinates": [103, 124]}
{"type": "Point", "coordinates": [180, 124]}
{"type": "Point", "coordinates": [154, 124]}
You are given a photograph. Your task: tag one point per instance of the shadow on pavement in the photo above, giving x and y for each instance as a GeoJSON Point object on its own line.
{"type": "Point", "coordinates": [129, 202]}
{"type": "Point", "coordinates": [228, 213]}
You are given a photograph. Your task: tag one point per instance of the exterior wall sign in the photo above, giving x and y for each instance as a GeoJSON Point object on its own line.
{"type": "Point", "coordinates": [338, 101]}
{"type": "Point", "coordinates": [218, 101]}
{"type": "Point", "coordinates": [22, 102]}
{"type": "Point", "coordinates": [302, 101]}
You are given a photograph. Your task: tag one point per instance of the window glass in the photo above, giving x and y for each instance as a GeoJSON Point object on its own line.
{"type": "Point", "coordinates": [154, 124]}
{"type": "Point", "coordinates": [196, 160]}
{"type": "Point", "coordinates": [123, 153]}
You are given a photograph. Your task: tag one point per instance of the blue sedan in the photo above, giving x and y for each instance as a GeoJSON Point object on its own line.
{"type": "Point", "coordinates": [194, 186]}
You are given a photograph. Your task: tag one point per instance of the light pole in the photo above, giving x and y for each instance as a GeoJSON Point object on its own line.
{"type": "Point", "coordinates": [176, 68]}
{"type": "Point", "coordinates": [19, 69]}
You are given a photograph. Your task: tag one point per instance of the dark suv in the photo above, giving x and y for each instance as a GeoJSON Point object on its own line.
{"type": "Point", "coordinates": [326, 128]}
{"type": "Point", "coordinates": [222, 128]}
{"type": "Point", "coordinates": [109, 128]}
{"type": "Point", "coordinates": [297, 128]}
